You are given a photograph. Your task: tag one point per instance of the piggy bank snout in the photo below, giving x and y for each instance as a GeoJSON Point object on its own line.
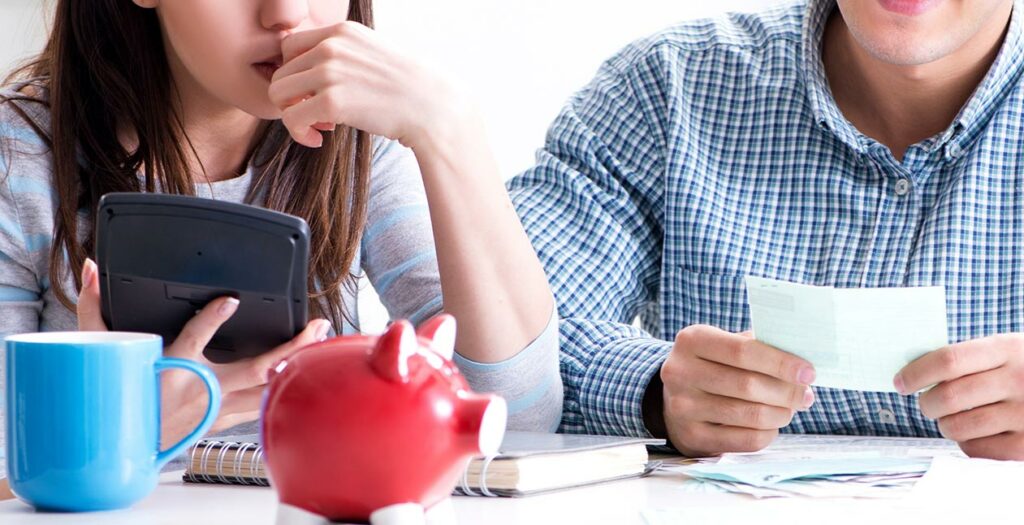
{"type": "Point", "coordinates": [482, 420]}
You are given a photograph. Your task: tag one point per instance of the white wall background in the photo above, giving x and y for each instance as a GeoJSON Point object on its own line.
{"type": "Point", "coordinates": [519, 60]}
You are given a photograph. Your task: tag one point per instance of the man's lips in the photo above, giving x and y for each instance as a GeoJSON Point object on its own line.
{"type": "Point", "coordinates": [908, 7]}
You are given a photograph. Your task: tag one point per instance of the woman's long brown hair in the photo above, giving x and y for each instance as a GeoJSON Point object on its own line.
{"type": "Point", "coordinates": [104, 69]}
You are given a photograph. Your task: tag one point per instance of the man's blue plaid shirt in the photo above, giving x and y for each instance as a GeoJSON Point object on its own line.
{"type": "Point", "coordinates": [714, 150]}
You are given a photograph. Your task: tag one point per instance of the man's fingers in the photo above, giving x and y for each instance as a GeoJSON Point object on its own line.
{"type": "Point", "coordinates": [90, 316]}
{"type": "Point", "coordinates": [722, 380]}
{"type": "Point", "coordinates": [707, 439]}
{"type": "Point", "coordinates": [751, 354]}
{"type": "Point", "coordinates": [965, 393]}
{"type": "Point", "coordinates": [988, 420]}
{"type": "Point", "coordinates": [1005, 446]}
{"type": "Point", "coordinates": [739, 413]}
{"type": "Point", "coordinates": [197, 333]}
{"type": "Point", "coordinates": [948, 363]}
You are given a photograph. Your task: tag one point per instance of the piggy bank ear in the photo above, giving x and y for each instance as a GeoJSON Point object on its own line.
{"type": "Point", "coordinates": [390, 358]}
{"type": "Point", "coordinates": [440, 331]}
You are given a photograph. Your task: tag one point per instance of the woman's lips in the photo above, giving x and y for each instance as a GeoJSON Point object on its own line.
{"type": "Point", "coordinates": [266, 69]}
{"type": "Point", "coordinates": [908, 7]}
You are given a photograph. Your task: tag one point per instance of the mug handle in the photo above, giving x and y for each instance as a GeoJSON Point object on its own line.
{"type": "Point", "coordinates": [212, 388]}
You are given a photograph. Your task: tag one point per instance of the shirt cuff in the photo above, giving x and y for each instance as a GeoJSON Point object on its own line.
{"type": "Point", "coordinates": [529, 381]}
{"type": "Point", "coordinates": [612, 393]}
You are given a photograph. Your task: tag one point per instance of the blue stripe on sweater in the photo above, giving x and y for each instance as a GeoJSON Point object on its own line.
{"type": "Point", "coordinates": [432, 306]}
{"type": "Point", "coordinates": [13, 294]}
{"type": "Point", "coordinates": [388, 278]}
{"type": "Point", "coordinates": [532, 396]}
{"type": "Point", "coordinates": [394, 217]}
{"type": "Point", "coordinates": [22, 134]}
{"type": "Point", "coordinates": [20, 184]}
{"type": "Point", "coordinates": [38, 241]}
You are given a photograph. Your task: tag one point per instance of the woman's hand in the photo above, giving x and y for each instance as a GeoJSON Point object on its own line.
{"type": "Point", "coordinates": [183, 396]}
{"type": "Point", "coordinates": [347, 74]}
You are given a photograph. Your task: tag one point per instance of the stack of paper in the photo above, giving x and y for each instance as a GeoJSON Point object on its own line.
{"type": "Point", "coordinates": [822, 466]}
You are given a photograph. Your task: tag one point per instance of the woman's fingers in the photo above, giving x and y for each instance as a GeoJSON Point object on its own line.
{"type": "Point", "coordinates": [315, 332]}
{"type": "Point", "coordinates": [245, 401]}
{"type": "Point", "coordinates": [249, 373]}
{"type": "Point", "coordinates": [292, 89]}
{"type": "Point", "coordinates": [90, 317]}
{"type": "Point", "coordinates": [200, 329]}
{"type": "Point", "coordinates": [301, 118]}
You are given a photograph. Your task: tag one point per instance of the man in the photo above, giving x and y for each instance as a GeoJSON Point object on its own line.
{"type": "Point", "coordinates": [869, 143]}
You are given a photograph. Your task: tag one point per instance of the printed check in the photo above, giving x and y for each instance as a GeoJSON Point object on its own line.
{"type": "Point", "coordinates": [856, 338]}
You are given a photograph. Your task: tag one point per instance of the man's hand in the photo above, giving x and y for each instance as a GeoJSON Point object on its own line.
{"type": "Point", "coordinates": [5, 490]}
{"type": "Point", "coordinates": [978, 397]}
{"type": "Point", "coordinates": [727, 392]}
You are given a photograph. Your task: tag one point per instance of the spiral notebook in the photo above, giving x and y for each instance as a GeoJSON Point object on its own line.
{"type": "Point", "coordinates": [529, 463]}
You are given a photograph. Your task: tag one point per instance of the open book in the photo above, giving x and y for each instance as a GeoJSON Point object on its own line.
{"type": "Point", "coordinates": [528, 463]}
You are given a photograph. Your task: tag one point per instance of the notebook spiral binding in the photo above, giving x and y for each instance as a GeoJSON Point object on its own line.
{"type": "Point", "coordinates": [222, 470]}
{"type": "Point", "coordinates": [463, 489]}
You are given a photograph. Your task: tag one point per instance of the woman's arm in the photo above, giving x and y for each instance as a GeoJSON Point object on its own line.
{"type": "Point", "coordinates": [491, 279]}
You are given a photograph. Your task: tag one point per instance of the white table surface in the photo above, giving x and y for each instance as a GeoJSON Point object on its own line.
{"type": "Point", "coordinates": [622, 502]}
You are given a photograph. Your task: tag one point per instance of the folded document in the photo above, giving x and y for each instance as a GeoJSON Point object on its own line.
{"type": "Point", "coordinates": [856, 338]}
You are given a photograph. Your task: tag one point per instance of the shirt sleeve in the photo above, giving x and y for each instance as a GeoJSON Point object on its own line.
{"type": "Point", "coordinates": [401, 263]}
{"type": "Point", "coordinates": [593, 208]}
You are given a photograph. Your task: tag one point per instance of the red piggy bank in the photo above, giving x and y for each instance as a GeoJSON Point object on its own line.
{"type": "Point", "coordinates": [378, 429]}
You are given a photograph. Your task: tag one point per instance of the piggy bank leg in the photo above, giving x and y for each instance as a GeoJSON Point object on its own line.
{"type": "Point", "coordinates": [442, 513]}
{"type": "Point", "coordinates": [399, 514]}
{"type": "Point", "coordinates": [290, 515]}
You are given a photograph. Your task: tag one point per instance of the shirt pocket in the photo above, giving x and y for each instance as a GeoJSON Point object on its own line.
{"type": "Point", "coordinates": [714, 299]}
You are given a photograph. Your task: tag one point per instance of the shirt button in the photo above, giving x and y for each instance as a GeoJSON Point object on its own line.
{"type": "Point", "coordinates": [954, 150]}
{"type": "Point", "coordinates": [886, 416]}
{"type": "Point", "coordinates": [902, 187]}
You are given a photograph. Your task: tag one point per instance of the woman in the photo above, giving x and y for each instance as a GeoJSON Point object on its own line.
{"type": "Point", "coordinates": [295, 105]}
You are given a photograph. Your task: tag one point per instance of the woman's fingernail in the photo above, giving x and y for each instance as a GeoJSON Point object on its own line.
{"type": "Point", "coordinates": [86, 273]}
{"type": "Point", "coordinates": [321, 331]}
{"type": "Point", "coordinates": [228, 307]}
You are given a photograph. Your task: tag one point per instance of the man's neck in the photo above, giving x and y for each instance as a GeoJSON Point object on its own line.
{"type": "Point", "coordinates": [901, 105]}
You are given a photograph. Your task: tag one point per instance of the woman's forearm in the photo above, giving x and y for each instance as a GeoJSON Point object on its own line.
{"type": "Point", "coordinates": [491, 278]}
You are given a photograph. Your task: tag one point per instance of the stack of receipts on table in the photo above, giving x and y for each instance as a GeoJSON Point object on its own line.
{"type": "Point", "coordinates": [821, 466]}
{"type": "Point", "coordinates": [856, 338]}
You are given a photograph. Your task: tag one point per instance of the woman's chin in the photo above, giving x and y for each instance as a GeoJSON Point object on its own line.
{"type": "Point", "coordinates": [263, 109]}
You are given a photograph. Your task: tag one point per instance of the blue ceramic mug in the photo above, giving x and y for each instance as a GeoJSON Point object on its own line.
{"type": "Point", "coordinates": [83, 417]}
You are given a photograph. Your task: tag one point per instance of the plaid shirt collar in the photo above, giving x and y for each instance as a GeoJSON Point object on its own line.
{"type": "Point", "coordinates": [1001, 78]}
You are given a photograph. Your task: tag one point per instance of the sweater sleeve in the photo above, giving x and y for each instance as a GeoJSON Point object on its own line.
{"type": "Point", "coordinates": [21, 288]}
